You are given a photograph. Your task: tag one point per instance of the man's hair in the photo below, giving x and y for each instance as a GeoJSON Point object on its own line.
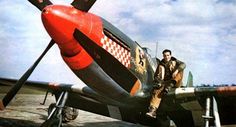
{"type": "Point", "coordinates": [166, 50]}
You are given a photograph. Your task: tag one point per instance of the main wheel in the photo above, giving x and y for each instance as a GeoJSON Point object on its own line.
{"type": "Point", "coordinates": [55, 120]}
{"type": "Point", "coordinates": [50, 108]}
{"type": "Point", "coordinates": [68, 114]}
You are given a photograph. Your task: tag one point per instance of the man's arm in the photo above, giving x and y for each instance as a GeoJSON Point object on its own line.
{"type": "Point", "coordinates": [180, 65]}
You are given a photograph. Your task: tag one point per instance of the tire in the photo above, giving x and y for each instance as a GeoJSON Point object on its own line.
{"type": "Point", "coordinates": [68, 114]}
{"type": "Point", "coordinates": [56, 120]}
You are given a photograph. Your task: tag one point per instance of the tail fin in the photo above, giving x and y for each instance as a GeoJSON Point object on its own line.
{"type": "Point", "coordinates": [190, 80]}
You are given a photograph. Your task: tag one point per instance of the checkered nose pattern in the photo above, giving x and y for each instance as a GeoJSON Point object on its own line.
{"type": "Point", "coordinates": [120, 53]}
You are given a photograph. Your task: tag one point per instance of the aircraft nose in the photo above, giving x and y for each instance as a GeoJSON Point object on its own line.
{"type": "Point", "coordinates": [57, 21]}
{"type": "Point", "coordinates": [60, 23]}
{"type": "Point", "coordinates": [52, 20]}
{"type": "Point", "coordinates": [49, 19]}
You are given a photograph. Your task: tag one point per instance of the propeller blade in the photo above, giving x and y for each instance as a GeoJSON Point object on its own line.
{"type": "Point", "coordinates": [40, 4]}
{"type": "Point", "coordinates": [23, 79]}
{"type": "Point", "coordinates": [83, 5]}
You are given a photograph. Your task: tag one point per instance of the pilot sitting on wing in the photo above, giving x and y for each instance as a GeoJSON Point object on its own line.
{"type": "Point", "coordinates": [169, 74]}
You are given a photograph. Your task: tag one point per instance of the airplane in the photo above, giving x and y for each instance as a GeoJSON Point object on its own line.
{"type": "Point", "coordinates": [118, 73]}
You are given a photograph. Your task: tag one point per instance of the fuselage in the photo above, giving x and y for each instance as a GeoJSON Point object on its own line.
{"type": "Point", "coordinates": [137, 67]}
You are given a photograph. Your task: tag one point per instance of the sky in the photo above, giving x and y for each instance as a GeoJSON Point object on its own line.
{"type": "Point", "coordinates": [201, 33]}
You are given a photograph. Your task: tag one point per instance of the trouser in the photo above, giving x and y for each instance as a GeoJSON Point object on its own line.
{"type": "Point", "coordinates": [157, 93]}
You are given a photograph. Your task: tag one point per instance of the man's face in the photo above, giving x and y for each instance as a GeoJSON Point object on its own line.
{"type": "Point", "coordinates": [167, 56]}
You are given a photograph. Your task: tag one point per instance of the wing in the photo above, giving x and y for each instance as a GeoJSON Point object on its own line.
{"type": "Point", "coordinates": [80, 96]}
{"type": "Point", "coordinates": [182, 104]}
{"type": "Point", "coordinates": [76, 89]}
{"type": "Point", "coordinates": [191, 104]}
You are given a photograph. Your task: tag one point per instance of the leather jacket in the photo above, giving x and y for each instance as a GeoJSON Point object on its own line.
{"type": "Point", "coordinates": [165, 70]}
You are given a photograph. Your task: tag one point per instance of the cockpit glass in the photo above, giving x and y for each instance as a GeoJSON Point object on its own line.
{"type": "Point", "coordinates": [148, 51]}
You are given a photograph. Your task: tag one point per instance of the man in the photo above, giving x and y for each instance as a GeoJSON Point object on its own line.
{"type": "Point", "coordinates": [169, 74]}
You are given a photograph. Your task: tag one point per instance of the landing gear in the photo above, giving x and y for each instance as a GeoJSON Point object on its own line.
{"type": "Point", "coordinates": [55, 112]}
{"type": "Point", "coordinates": [211, 111]}
{"type": "Point", "coordinates": [58, 113]}
{"type": "Point", "coordinates": [68, 114]}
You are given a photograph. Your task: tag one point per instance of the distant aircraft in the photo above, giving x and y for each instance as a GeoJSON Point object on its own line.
{"type": "Point", "coordinates": [118, 73]}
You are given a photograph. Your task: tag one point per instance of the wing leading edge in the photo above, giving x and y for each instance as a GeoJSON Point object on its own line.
{"type": "Point", "coordinates": [220, 100]}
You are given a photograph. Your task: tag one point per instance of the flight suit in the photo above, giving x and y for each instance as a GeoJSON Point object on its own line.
{"type": "Point", "coordinates": [163, 81]}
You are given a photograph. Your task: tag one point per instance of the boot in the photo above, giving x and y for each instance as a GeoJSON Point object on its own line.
{"type": "Point", "coordinates": [152, 112]}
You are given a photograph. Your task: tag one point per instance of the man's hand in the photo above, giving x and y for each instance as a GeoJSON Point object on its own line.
{"type": "Point", "coordinates": [175, 73]}
{"type": "Point", "coordinates": [157, 83]}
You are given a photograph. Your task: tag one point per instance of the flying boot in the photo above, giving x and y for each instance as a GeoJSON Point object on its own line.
{"type": "Point", "coordinates": [151, 112]}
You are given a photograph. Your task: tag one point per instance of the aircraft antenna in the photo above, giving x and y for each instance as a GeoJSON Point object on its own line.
{"type": "Point", "coordinates": [156, 49]}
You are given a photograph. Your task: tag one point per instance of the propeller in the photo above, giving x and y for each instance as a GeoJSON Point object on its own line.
{"type": "Point", "coordinates": [40, 4]}
{"type": "Point", "coordinates": [23, 79]}
{"type": "Point", "coordinates": [83, 5]}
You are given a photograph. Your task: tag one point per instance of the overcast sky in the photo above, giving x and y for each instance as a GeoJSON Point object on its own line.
{"type": "Point", "coordinates": [202, 33]}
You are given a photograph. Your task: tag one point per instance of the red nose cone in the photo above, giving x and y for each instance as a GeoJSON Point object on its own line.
{"type": "Point", "coordinates": [60, 23]}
